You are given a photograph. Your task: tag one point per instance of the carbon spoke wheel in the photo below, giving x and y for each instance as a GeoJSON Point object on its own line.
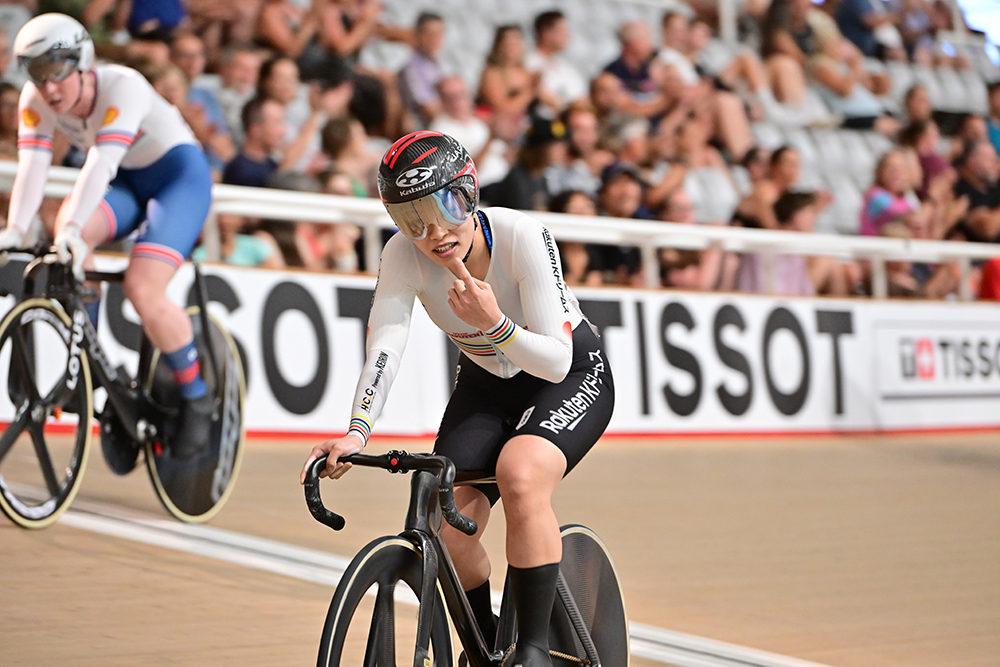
{"type": "Point", "coordinates": [194, 491]}
{"type": "Point", "coordinates": [46, 409]}
{"type": "Point", "coordinates": [373, 617]}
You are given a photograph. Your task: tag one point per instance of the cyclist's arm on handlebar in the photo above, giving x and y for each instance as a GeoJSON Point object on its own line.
{"type": "Point", "coordinates": [333, 450]}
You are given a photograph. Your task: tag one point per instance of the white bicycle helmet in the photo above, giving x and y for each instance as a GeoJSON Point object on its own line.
{"type": "Point", "coordinates": [51, 46]}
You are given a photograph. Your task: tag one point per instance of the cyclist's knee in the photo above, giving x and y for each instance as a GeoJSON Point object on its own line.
{"type": "Point", "coordinates": [529, 468]}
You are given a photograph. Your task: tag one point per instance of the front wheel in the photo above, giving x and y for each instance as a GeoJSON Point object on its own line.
{"type": "Point", "coordinates": [47, 406]}
{"type": "Point", "coordinates": [194, 491]}
{"type": "Point", "coordinates": [371, 619]}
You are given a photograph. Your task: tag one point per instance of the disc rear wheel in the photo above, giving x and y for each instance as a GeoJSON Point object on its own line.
{"type": "Point", "coordinates": [193, 491]}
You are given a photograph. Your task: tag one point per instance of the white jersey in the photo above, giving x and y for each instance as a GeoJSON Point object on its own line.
{"type": "Point", "coordinates": [130, 126]}
{"type": "Point", "coordinates": [535, 335]}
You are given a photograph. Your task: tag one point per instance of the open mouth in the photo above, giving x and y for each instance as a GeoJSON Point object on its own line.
{"type": "Point", "coordinates": [445, 248]}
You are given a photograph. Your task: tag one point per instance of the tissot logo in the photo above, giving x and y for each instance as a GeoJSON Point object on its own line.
{"type": "Point", "coordinates": [412, 177]}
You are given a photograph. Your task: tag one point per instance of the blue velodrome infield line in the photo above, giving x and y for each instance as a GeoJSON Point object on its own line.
{"type": "Point", "coordinates": [652, 643]}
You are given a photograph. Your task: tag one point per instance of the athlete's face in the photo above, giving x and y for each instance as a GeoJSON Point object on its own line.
{"type": "Point", "coordinates": [62, 95]}
{"type": "Point", "coordinates": [443, 245]}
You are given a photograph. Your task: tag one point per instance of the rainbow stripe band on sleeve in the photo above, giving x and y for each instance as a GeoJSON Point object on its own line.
{"type": "Point", "coordinates": [38, 142]}
{"type": "Point", "coordinates": [362, 427]}
{"type": "Point", "coordinates": [114, 137]}
{"type": "Point", "coordinates": [502, 333]}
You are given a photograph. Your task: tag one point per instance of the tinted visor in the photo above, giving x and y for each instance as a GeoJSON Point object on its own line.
{"type": "Point", "coordinates": [449, 207]}
{"type": "Point", "coordinates": [54, 65]}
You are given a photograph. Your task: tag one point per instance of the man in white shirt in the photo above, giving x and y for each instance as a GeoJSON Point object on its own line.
{"type": "Point", "coordinates": [561, 82]}
{"type": "Point", "coordinates": [457, 118]}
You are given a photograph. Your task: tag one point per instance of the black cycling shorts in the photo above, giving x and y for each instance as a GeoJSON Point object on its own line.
{"type": "Point", "coordinates": [485, 411]}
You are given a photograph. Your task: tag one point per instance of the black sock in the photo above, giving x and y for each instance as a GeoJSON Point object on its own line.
{"type": "Point", "coordinates": [533, 590]}
{"type": "Point", "coordinates": [482, 609]}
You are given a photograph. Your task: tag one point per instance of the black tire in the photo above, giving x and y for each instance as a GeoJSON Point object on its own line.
{"type": "Point", "coordinates": [381, 565]}
{"type": "Point", "coordinates": [194, 491]}
{"type": "Point", "coordinates": [592, 581]}
{"type": "Point", "coordinates": [49, 403]}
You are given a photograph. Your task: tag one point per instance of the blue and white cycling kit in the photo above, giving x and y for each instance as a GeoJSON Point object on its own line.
{"type": "Point", "coordinates": [143, 164]}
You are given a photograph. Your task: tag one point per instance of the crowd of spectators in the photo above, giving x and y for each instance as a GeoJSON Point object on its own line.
{"type": "Point", "coordinates": [276, 92]}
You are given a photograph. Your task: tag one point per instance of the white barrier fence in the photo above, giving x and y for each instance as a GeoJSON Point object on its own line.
{"type": "Point", "coordinates": [682, 362]}
{"type": "Point", "coordinates": [648, 236]}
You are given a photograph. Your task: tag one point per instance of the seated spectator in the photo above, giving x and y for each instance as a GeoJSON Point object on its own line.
{"type": "Point", "coordinates": [917, 104]}
{"type": "Point", "coordinates": [303, 111]}
{"type": "Point", "coordinates": [241, 249]}
{"type": "Point", "coordinates": [848, 88]}
{"type": "Point", "coordinates": [731, 127]}
{"type": "Point", "coordinates": [620, 197]}
{"type": "Point", "coordinates": [457, 118]}
{"type": "Point", "coordinates": [297, 241]}
{"type": "Point", "coordinates": [979, 180]}
{"type": "Point", "coordinates": [971, 129]}
{"type": "Point", "coordinates": [794, 211]}
{"type": "Point", "coordinates": [421, 74]}
{"type": "Point", "coordinates": [924, 138]}
{"type": "Point", "coordinates": [340, 240]}
{"type": "Point", "coordinates": [9, 96]}
{"type": "Point", "coordinates": [585, 159]}
{"type": "Point", "coordinates": [288, 28]}
{"type": "Point", "coordinates": [923, 281]}
{"type": "Point", "coordinates": [506, 87]}
{"type": "Point", "coordinates": [345, 143]}
{"type": "Point", "coordinates": [917, 30]}
{"type": "Point", "coordinates": [870, 28]}
{"type": "Point", "coordinates": [264, 128]}
{"type": "Point", "coordinates": [993, 115]}
{"type": "Point", "coordinates": [526, 187]}
{"type": "Point", "coordinates": [701, 270]}
{"type": "Point", "coordinates": [641, 94]}
{"type": "Point", "coordinates": [788, 42]}
{"type": "Point", "coordinates": [756, 210]}
{"type": "Point", "coordinates": [886, 199]}
{"type": "Point", "coordinates": [560, 82]}
{"type": "Point", "coordinates": [576, 255]}
{"type": "Point", "coordinates": [216, 20]}
{"type": "Point", "coordinates": [151, 25]}
{"type": "Point", "coordinates": [707, 177]}
{"type": "Point", "coordinates": [210, 128]}
{"type": "Point", "coordinates": [240, 68]}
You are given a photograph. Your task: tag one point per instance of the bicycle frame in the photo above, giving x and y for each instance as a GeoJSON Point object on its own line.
{"type": "Point", "coordinates": [134, 408]}
{"type": "Point", "coordinates": [431, 501]}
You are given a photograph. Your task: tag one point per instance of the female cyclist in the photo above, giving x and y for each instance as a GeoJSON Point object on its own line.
{"type": "Point", "coordinates": [143, 165]}
{"type": "Point", "coordinates": [534, 389]}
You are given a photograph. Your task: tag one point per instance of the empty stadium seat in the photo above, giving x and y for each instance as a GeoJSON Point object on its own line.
{"type": "Point", "coordinates": [844, 215]}
{"type": "Point", "coordinates": [860, 157]}
{"type": "Point", "coordinates": [768, 135]}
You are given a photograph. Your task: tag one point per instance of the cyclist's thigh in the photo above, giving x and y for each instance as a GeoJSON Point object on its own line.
{"type": "Point", "coordinates": [179, 191]}
{"type": "Point", "coordinates": [120, 211]}
{"type": "Point", "coordinates": [574, 413]}
{"type": "Point", "coordinates": [475, 425]}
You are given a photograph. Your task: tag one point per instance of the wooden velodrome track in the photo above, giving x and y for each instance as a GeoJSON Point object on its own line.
{"type": "Point", "coordinates": [846, 551]}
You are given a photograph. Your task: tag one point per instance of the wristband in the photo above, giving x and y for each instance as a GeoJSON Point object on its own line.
{"type": "Point", "coordinates": [504, 332]}
{"type": "Point", "coordinates": [362, 427]}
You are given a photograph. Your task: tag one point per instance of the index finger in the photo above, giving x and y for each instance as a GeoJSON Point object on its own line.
{"type": "Point", "coordinates": [458, 268]}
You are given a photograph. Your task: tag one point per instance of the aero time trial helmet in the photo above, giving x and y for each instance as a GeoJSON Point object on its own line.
{"type": "Point", "coordinates": [428, 177]}
{"type": "Point", "coordinates": [52, 46]}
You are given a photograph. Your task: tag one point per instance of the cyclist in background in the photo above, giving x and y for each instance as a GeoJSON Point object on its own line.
{"type": "Point", "coordinates": [534, 389]}
{"type": "Point", "coordinates": [143, 165]}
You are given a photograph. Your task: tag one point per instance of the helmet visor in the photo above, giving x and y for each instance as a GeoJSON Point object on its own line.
{"type": "Point", "coordinates": [54, 65]}
{"type": "Point", "coordinates": [448, 207]}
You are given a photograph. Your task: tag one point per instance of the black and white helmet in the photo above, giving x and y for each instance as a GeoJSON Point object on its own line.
{"type": "Point", "coordinates": [428, 178]}
{"type": "Point", "coordinates": [52, 46]}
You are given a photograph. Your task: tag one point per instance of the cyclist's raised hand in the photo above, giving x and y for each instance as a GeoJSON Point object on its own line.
{"type": "Point", "coordinates": [472, 300]}
{"type": "Point", "coordinates": [69, 246]}
{"type": "Point", "coordinates": [333, 450]}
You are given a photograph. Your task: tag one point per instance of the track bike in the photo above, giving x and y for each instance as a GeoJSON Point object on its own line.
{"type": "Point", "coordinates": [369, 617]}
{"type": "Point", "coordinates": [54, 363]}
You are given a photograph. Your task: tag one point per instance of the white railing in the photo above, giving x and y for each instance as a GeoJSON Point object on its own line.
{"type": "Point", "coordinates": [648, 236]}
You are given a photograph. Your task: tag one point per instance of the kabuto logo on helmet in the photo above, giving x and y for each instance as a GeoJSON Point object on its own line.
{"type": "Point", "coordinates": [413, 177]}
